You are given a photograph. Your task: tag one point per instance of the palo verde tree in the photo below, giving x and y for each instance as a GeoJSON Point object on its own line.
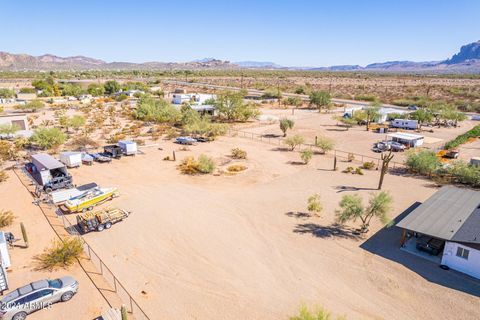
{"type": "Point", "coordinates": [352, 208]}
{"type": "Point", "coordinates": [320, 99]}
{"type": "Point", "coordinates": [372, 112]}
{"type": "Point", "coordinates": [47, 138]}
{"type": "Point", "coordinates": [111, 87]}
{"type": "Point", "coordinates": [231, 107]}
{"type": "Point", "coordinates": [294, 141]}
{"type": "Point", "coordinates": [314, 204]}
{"type": "Point", "coordinates": [286, 124]}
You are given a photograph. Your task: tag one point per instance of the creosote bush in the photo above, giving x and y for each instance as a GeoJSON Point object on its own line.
{"type": "Point", "coordinates": [236, 168]}
{"type": "Point", "coordinates": [238, 153]}
{"type": "Point", "coordinates": [306, 156]}
{"type": "Point", "coordinates": [203, 165]}
{"type": "Point", "coordinates": [60, 254]}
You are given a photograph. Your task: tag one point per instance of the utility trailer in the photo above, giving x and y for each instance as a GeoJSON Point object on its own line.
{"type": "Point", "coordinates": [98, 221]}
{"type": "Point", "coordinates": [113, 151]}
{"type": "Point", "coordinates": [128, 147]}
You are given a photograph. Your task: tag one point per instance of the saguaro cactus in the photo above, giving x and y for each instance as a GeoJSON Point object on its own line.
{"type": "Point", "coordinates": [24, 234]}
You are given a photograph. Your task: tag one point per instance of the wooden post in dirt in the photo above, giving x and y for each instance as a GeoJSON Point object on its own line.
{"type": "Point", "coordinates": [174, 158]}
{"type": "Point", "coordinates": [335, 163]}
{"type": "Point", "coordinates": [316, 140]}
{"type": "Point", "coordinates": [385, 162]}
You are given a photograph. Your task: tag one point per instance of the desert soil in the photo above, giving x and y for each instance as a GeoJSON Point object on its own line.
{"type": "Point", "coordinates": [243, 247]}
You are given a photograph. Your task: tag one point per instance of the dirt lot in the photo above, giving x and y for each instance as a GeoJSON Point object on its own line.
{"type": "Point", "coordinates": [310, 123]}
{"type": "Point", "coordinates": [242, 247]}
{"type": "Point", "coordinates": [88, 303]}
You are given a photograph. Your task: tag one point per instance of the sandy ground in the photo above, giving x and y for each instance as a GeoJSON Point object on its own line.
{"type": "Point", "coordinates": [242, 247]}
{"type": "Point", "coordinates": [310, 123]}
{"type": "Point", "coordinates": [88, 303]}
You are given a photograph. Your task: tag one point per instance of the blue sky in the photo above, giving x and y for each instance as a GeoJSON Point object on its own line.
{"type": "Point", "coordinates": [294, 33]}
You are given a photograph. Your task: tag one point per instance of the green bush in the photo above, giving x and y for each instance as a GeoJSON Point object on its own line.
{"type": "Point", "coordinates": [294, 141]}
{"type": "Point", "coordinates": [61, 254]}
{"type": "Point", "coordinates": [191, 166]}
{"type": "Point", "coordinates": [463, 138]}
{"type": "Point", "coordinates": [306, 156]}
{"type": "Point", "coordinates": [422, 162]}
{"type": "Point", "coordinates": [324, 144]}
{"type": "Point", "coordinates": [368, 165]}
{"type": "Point", "coordinates": [366, 97]}
{"type": "Point", "coordinates": [47, 138]}
{"type": "Point", "coordinates": [465, 173]}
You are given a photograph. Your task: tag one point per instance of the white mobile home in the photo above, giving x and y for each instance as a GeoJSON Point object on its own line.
{"type": "Point", "coordinates": [404, 124]}
{"type": "Point", "coordinates": [179, 98]}
{"type": "Point", "coordinates": [408, 139]}
{"type": "Point", "coordinates": [451, 217]}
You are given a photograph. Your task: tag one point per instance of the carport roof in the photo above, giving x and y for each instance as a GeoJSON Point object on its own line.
{"type": "Point", "coordinates": [46, 161]}
{"type": "Point", "coordinates": [451, 214]}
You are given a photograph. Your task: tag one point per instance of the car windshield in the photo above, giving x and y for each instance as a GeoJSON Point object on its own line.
{"type": "Point", "coordinates": [57, 283]}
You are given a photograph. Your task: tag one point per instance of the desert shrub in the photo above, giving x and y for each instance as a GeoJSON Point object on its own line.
{"type": "Point", "coordinates": [116, 137]}
{"type": "Point", "coordinates": [236, 168]}
{"type": "Point", "coordinates": [47, 138]}
{"type": "Point", "coordinates": [149, 109]}
{"type": "Point", "coordinates": [463, 138]}
{"type": "Point", "coordinates": [422, 162]}
{"type": "Point", "coordinates": [232, 107]}
{"type": "Point", "coordinates": [61, 254]}
{"type": "Point", "coordinates": [3, 176]}
{"type": "Point", "coordinates": [7, 150]}
{"type": "Point", "coordinates": [465, 173]}
{"type": "Point", "coordinates": [203, 165]}
{"type": "Point", "coordinates": [369, 165]}
{"type": "Point", "coordinates": [324, 144]}
{"type": "Point", "coordinates": [318, 314]}
{"type": "Point", "coordinates": [314, 204]}
{"type": "Point", "coordinates": [359, 171]}
{"type": "Point", "coordinates": [238, 153]}
{"type": "Point", "coordinates": [366, 97]}
{"type": "Point", "coordinates": [348, 170]}
{"type": "Point", "coordinates": [286, 124]}
{"type": "Point", "coordinates": [171, 133]}
{"type": "Point", "coordinates": [306, 156]}
{"type": "Point", "coordinates": [83, 142]}
{"type": "Point", "coordinates": [294, 141]}
{"type": "Point", "coordinates": [6, 218]}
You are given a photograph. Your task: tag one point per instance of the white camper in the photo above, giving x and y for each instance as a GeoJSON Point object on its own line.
{"type": "Point", "coordinates": [404, 124]}
{"type": "Point", "coordinates": [128, 147]}
{"type": "Point", "coordinates": [71, 159]}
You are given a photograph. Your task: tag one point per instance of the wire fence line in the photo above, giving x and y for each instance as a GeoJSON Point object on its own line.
{"type": "Point", "coordinates": [132, 306]}
{"type": "Point", "coordinates": [279, 141]}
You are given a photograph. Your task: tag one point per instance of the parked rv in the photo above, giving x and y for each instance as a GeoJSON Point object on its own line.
{"type": "Point", "coordinates": [404, 124]}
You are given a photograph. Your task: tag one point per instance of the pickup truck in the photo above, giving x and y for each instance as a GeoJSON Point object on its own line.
{"type": "Point", "coordinates": [99, 157]}
{"type": "Point", "coordinates": [98, 221]}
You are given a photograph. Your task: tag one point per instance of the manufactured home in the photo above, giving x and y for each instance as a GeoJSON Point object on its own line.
{"type": "Point", "coordinates": [407, 139]}
{"type": "Point", "coordinates": [446, 229]}
{"type": "Point", "coordinates": [195, 98]}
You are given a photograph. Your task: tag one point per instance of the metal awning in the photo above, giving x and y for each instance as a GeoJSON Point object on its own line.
{"type": "Point", "coordinates": [46, 161]}
{"type": "Point", "coordinates": [450, 214]}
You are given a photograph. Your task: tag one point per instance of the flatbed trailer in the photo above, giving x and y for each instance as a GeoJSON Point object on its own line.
{"type": "Point", "coordinates": [98, 221]}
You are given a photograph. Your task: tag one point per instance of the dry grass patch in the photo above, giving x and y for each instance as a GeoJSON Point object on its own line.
{"type": "Point", "coordinates": [191, 166]}
{"type": "Point", "coordinates": [6, 218]}
{"type": "Point", "coordinates": [236, 168]}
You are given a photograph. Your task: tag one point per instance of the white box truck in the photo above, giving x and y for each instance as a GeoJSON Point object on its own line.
{"type": "Point", "coordinates": [404, 124]}
{"type": "Point", "coordinates": [71, 159]}
{"type": "Point", "coordinates": [128, 147]}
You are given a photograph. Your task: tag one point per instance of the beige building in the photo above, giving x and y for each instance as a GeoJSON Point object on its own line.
{"type": "Point", "coordinates": [20, 120]}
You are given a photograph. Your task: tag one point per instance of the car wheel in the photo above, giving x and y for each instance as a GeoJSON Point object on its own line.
{"type": "Point", "coordinates": [108, 225]}
{"type": "Point", "coordinates": [90, 208]}
{"type": "Point", "coordinates": [100, 227]}
{"type": "Point", "coordinates": [67, 296]}
{"type": "Point", "coordinates": [48, 190]}
{"type": "Point", "coordinates": [84, 210]}
{"type": "Point", "coordinates": [20, 316]}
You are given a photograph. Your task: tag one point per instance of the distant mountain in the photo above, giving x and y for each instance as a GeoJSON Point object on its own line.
{"type": "Point", "coordinates": [467, 53]}
{"type": "Point", "coordinates": [467, 60]}
{"type": "Point", "coordinates": [20, 62]}
{"type": "Point", "coordinates": [258, 65]}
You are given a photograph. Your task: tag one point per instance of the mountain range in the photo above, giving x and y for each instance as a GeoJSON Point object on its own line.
{"type": "Point", "coordinates": [467, 60]}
